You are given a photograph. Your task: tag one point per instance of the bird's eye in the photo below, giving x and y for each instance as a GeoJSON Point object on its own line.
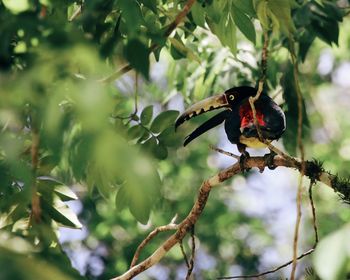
{"type": "Point", "coordinates": [231, 96]}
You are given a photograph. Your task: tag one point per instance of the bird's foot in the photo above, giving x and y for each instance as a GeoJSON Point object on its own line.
{"type": "Point", "coordinates": [268, 158]}
{"type": "Point", "coordinates": [242, 161]}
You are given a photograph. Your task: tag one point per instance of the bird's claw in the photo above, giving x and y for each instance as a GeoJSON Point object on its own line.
{"type": "Point", "coordinates": [242, 161]}
{"type": "Point", "coordinates": [269, 160]}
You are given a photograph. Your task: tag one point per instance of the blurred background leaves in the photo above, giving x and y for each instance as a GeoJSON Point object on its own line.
{"type": "Point", "coordinates": [110, 165]}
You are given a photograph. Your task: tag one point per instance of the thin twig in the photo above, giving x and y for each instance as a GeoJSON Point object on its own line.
{"type": "Point", "coordinates": [302, 155]}
{"type": "Point", "coordinates": [297, 226]}
{"type": "Point", "coordinates": [170, 226]}
{"type": "Point", "coordinates": [112, 77]}
{"type": "Point", "coordinates": [179, 18]}
{"type": "Point", "coordinates": [184, 253]}
{"type": "Point", "coordinates": [253, 99]}
{"type": "Point", "coordinates": [268, 271]}
{"type": "Point", "coordinates": [224, 152]}
{"type": "Point", "coordinates": [191, 262]}
{"type": "Point", "coordinates": [186, 9]}
{"type": "Point", "coordinates": [313, 211]}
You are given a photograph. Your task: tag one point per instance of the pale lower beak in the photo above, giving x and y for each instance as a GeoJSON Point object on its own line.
{"type": "Point", "coordinates": [206, 105]}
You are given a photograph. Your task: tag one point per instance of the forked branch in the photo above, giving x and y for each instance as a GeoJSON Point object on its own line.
{"type": "Point", "coordinates": [312, 169]}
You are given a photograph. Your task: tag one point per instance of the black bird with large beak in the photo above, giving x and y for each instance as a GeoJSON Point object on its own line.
{"type": "Point", "coordinates": [238, 117]}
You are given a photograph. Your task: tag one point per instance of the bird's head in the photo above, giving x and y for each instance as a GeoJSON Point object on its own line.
{"type": "Point", "coordinates": [229, 99]}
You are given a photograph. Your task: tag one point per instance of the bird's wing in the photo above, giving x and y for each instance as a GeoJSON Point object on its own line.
{"type": "Point", "coordinates": [209, 124]}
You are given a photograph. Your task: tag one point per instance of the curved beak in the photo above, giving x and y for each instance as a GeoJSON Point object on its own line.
{"type": "Point", "coordinates": [206, 105]}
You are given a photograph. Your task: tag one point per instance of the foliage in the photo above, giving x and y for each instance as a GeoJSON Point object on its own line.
{"type": "Point", "coordinates": [112, 146]}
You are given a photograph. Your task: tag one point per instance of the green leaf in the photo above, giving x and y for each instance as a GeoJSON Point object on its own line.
{"type": "Point", "coordinates": [146, 115]}
{"type": "Point", "coordinates": [151, 4]}
{"type": "Point", "coordinates": [198, 14]}
{"type": "Point", "coordinates": [244, 24]}
{"type": "Point", "coordinates": [332, 256]}
{"type": "Point", "coordinates": [138, 56]}
{"type": "Point", "coordinates": [132, 16]}
{"type": "Point", "coordinates": [160, 151]}
{"type": "Point", "coordinates": [225, 30]}
{"type": "Point", "coordinates": [135, 132]}
{"type": "Point", "coordinates": [17, 6]}
{"type": "Point", "coordinates": [326, 30]}
{"type": "Point", "coordinates": [23, 265]}
{"type": "Point", "coordinates": [61, 213]}
{"type": "Point", "coordinates": [169, 138]}
{"type": "Point", "coordinates": [103, 183]}
{"type": "Point", "coordinates": [156, 53]}
{"type": "Point", "coordinates": [47, 185]}
{"type": "Point", "coordinates": [140, 207]}
{"type": "Point", "coordinates": [65, 193]}
{"type": "Point", "coordinates": [181, 48]}
{"type": "Point", "coordinates": [140, 190]}
{"type": "Point", "coordinates": [175, 53]}
{"type": "Point", "coordinates": [48, 182]}
{"type": "Point", "coordinates": [164, 120]}
{"type": "Point", "coordinates": [216, 9]}
{"type": "Point", "coordinates": [121, 199]}
{"type": "Point", "coordinates": [261, 11]}
{"type": "Point", "coordinates": [291, 100]}
{"type": "Point", "coordinates": [281, 9]}
{"type": "Point", "coordinates": [245, 6]}
{"type": "Point", "coordinates": [150, 145]}
{"type": "Point", "coordinates": [272, 71]}
{"type": "Point", "coordinates": [305, 41]}
{"type": "Point", "coordinates": [144, 137]}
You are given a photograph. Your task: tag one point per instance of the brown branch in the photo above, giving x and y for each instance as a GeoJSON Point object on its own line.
{"type": "Point", "coordinates": [221, 151]}
{"type": "Point", "coordinates": [186, 9]}
{"type": "Point", "coordinates": [253, 99]}
{"type": "Point", "coordinates": [34, 151]}
{"type": "Point", "coordinates": [184, 227]}
{"type": "Point", "coordinates": [179, 18]}
{"type": "Point", "coordinates": [170, 226]}
{"type": "Point", "coordinates": [125, 69]}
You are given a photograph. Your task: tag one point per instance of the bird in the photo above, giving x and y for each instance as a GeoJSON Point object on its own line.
{"type": "Point", "coordinates": [238, 117]}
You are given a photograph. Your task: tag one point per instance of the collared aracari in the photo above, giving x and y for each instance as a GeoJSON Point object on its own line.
{"type": "Point", "coordinates": [238, 117]}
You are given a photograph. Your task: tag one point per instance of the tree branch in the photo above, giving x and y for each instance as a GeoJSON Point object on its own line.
{"type": "Point", "coordinates": [313, 170]}
{"type": "Point", "coordinates": [34, 151]}
{"type": "Point", "coordinates": [170, 226]}
{"type": "Point", "coordinates": [253, 99]}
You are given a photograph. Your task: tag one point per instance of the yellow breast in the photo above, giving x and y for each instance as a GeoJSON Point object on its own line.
{"type": "Point", "coordinates": [251, 142]}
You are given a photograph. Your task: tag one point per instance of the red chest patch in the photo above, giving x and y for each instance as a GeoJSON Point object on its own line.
{"type": "Point", "coordinates": [246, 116]}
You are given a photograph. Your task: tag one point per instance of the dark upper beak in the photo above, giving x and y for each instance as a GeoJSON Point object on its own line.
{"type": "Point", "coordinates": [206, 105]}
